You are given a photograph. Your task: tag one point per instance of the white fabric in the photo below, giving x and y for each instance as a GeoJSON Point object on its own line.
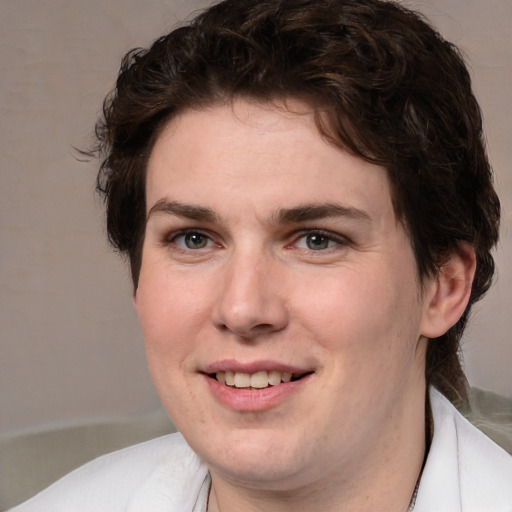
{"type": "Point", "coordinates": [465, 472]}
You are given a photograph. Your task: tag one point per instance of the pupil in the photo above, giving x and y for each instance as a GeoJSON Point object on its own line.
{"type": "Point", "coordinates": [195, 241]}
{"type": "Point", "coordinates": [316, 242]}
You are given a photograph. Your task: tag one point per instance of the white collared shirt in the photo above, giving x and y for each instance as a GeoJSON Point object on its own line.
{"type": "Point", "coordinates": [465, 472]}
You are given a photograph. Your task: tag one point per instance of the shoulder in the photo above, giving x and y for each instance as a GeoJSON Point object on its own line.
{"type": "Point", "coordinates": [465, 470]}
{"type": "Point", "coordinates": [117, 480]}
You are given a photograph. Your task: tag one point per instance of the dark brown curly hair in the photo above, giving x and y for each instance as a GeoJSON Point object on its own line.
{"type": "Point", "coordinates": [392, 90]}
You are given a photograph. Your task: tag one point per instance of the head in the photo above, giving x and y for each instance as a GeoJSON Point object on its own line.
{"type": "Point", "coordinates": [383, 86]}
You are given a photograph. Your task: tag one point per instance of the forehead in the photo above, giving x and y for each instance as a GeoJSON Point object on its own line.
{"type": "Point", "coordinates": [259, 154]}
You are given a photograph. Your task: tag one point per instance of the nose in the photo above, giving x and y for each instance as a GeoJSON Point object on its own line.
{"type": "Point", "coordinates": [251, 300]}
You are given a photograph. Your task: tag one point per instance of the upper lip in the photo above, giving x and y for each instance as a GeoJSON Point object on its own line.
{"type": "Point", "coordinates": [232, 365]}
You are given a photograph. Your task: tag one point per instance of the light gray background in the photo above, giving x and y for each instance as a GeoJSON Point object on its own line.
{"type": "Point", "coordinates": [71, 349]}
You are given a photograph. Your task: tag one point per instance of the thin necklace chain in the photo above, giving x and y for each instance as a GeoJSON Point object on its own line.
{"type": "Point", "coordinates": [414, 496]}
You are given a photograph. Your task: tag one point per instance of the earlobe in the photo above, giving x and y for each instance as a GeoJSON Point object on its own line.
{"type": "Point", "coordinates": [448, 293]}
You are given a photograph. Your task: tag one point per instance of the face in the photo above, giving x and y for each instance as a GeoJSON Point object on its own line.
{"type": "Point", "coordinates": [278, 297]}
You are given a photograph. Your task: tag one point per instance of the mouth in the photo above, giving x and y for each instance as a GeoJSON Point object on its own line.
{"type": "Point", "coordinates": [258, 380]}
{"type": "Point", "coordinates": [255, 386]}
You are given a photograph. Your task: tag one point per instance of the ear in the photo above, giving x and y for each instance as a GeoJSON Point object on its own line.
{"type": "Point", "coordinates": [447, 294]}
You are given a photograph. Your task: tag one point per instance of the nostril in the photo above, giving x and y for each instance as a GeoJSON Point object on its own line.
{"type": "Point", "coordinates": [263, 328]}
{"type": "Point", "coordinates": [222, 327]}
{"type": "Point", "coordinates": [247, 330]}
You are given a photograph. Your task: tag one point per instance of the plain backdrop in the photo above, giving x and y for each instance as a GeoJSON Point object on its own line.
{"type": "Point", "coordinates": [71, 349]}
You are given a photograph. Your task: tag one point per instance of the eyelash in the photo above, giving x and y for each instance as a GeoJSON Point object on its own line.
{"type": "Point", "coordinates": [172, 237]}
{"type": "Point", "coordinates": [328, 236]}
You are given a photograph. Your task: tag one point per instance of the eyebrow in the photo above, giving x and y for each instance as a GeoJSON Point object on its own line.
{"type": "Point", "coordinates": [188, 211]}
{"type": "Point", "coordinates": [308, 212]}
{"type": "Point", "coordinates": [301, 213]}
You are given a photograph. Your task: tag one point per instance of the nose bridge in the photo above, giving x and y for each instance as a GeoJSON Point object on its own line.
{"type": "Point", "coordinates": [249, 302]}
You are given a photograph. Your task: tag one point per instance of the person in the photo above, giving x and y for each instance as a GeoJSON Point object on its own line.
{"type": "Point", "coordinates": [304, 196]}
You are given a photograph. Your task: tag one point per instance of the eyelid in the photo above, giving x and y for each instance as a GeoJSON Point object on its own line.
{"type": "Point", "coordinates": [170, 237]}
{"type": "Point", "coordinates": [335, 237]}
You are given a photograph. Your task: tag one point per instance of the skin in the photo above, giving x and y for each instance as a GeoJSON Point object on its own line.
{"type": "Point", "coordinates": [247, 183]}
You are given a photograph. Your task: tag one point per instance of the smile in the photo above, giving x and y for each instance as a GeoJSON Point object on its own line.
{"type": "Point", "coordinates": [257, 386]}
{"type": "Point", "coordinates": [258, 380]}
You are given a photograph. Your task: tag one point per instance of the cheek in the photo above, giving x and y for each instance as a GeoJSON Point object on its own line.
{"type": "Point", "coordinates": [166, 312]}
{"type": "Point", "coordinates": [363, 314]}
{"type": "Point", "coordinates": [346, 301]}
{"type": "Point", "coordinates": [168, 302]}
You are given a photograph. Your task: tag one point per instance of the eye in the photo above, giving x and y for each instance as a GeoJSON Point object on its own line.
{"type": "Point", "coordinates": [192, 240]}
{"type": "Point", "coordinates": [317, 241]}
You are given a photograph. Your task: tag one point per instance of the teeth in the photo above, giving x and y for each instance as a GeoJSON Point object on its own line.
{"type": "Point", "coordinates": [242, 380]}
{"type": "Point", "coordinates": [286, 377]}
{"type": "Point", "coordinates": [274, 378]}
{"type": "Point", "coordinates": [258, 380]}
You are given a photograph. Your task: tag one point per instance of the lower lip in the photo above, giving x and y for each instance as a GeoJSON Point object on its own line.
{"type": "Point", "coordinates": [252, 400]}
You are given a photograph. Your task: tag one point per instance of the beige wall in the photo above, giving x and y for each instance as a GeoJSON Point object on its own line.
{"type": "Point", "coordinates": [70, 345]}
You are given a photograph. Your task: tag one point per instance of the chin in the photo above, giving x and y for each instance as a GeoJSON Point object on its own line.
{"type": "Point", "coordinates": [256, 459]}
